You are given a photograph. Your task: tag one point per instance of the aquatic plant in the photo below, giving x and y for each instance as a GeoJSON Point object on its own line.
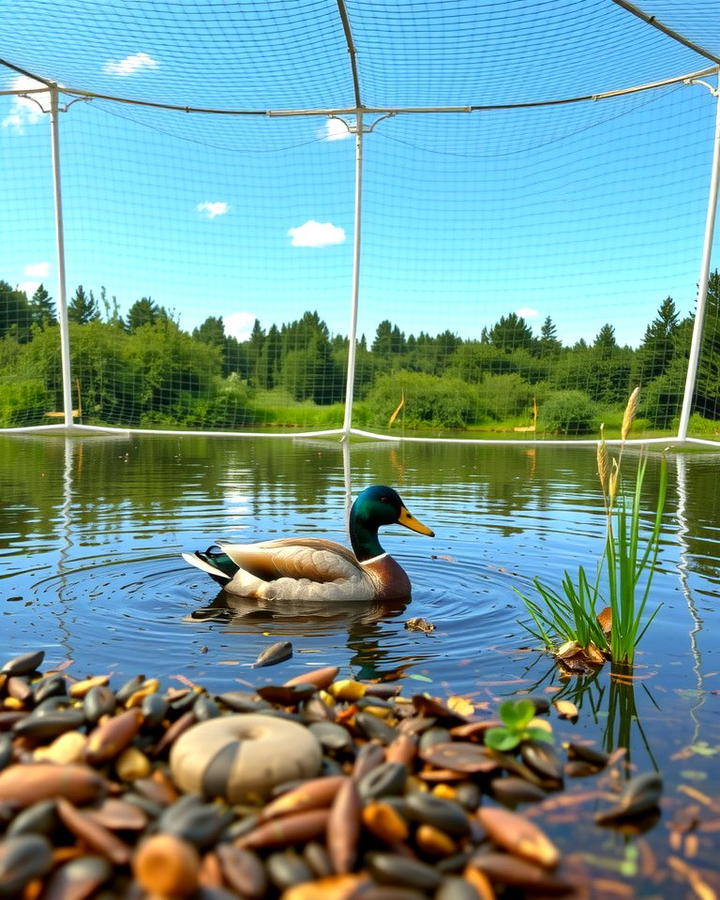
{"type": "Point", "coordinates": [517, 718]}
{"type": "Point", "coordinates": [627, 565]}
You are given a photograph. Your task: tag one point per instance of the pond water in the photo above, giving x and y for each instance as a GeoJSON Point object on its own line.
{"type": "Point", "coordinates": [91, 530]}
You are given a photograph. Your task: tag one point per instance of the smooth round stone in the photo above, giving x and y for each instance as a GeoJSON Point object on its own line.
{"type": "Point", "coordinates": [374, 727]}
{"type": "Point", "coordinates": [50, 724]}
{"type": "Point", "coordinates": [99, 701]}
{"type": "Point", "coordinates": [542, 759]}
{"type": "Point", "coordinates": [6, 749]}
{"type": "Point", "coordinates": [38, 818]}
{"type": "Point", "coordinates": [287, 869]}
{"type": "Point", "coordinates": [24, 664]}
{"type": "Point", "coordinates": [434, 735]}
{"type": "Point", "coordinates": [456, 889]}
{"type": "Point", "coordinates": [447, 815]}
{"type": "Point", "coordinates": [23, 858]}
{"type": "Point", "coordinates": [389, 868]}
{"type": "Point", "coordinates": [200, 824]}
{"type": "Point", "coordinates": [331, 736]}
{"type": "Point", "coordinates": [154, 709]}
{"type": "Point", "coordinates": [242, 757]}
{"type": "Point", "coordinates": [52, 686]}
{"type": "Point", "coordinates": [78, 878]}
{"type": "Point", "coordinates": [387, 778]}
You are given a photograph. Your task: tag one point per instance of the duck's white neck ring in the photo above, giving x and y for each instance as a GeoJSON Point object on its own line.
{"type": "Point", "coordinates": [366, 562]}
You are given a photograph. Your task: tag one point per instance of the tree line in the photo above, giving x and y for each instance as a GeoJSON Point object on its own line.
{"type": "Point", "coordinates": [143, 369]}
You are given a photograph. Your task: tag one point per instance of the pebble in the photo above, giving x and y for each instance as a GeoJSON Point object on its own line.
{"type": "Point", "coordinates": [103, 793]}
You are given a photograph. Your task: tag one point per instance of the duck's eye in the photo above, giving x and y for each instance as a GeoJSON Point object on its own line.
{"type": "Point", "coordinates": [383, 499]}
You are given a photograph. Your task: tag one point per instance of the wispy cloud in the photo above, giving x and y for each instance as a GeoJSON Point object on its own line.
{"type": "Point", "coordinates": [25, 111]}
{"type": "Point", "coordinates": [130, 65]}
{"type": "Point", "coordinates": [527, 312]}
{"type": "Point", "coordinates": [211, 210]}
{"type": "Point", "coordinates": [316, 234]}
{"type": "Point", "coordinates": [239, 325]}
{"type": "Point", "coordinates": [37, 270]}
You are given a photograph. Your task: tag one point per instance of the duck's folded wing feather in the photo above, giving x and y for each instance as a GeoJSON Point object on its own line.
{"type": "Point", "coordinates": [311, 558]}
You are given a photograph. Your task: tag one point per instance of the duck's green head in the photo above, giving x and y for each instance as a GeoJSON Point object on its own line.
{"type": "Point", "coordinates": [376, 506]}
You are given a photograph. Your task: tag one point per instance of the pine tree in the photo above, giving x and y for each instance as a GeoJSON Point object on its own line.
{"type": "Point", "coordinates": [143, 312]}
{"type": "Point", "coordinates": [43, 308]}
{"type": "Point", "coordinates": [211, 331]}
{"type": "Point", "coordinates": [656, 351]}
{"type": "Point", "coordinates": [83, 307]}
{"type": "Point", "coordinates": [512, 332]}
{"type": "Point", "coordinates": [605, 343]}
{"type": "Point", "coordinates": [549, 343]}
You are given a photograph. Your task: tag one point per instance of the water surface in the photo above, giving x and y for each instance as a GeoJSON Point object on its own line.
{"type": "Point", "coordinates": [91, 530]}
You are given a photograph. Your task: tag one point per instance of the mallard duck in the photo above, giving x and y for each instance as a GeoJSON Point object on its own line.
{"type": "Point", "coordinates": [305, 568]}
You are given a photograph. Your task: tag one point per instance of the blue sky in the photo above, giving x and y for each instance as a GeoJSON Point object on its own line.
{"type": "Point", "coordinates": [588, 213]}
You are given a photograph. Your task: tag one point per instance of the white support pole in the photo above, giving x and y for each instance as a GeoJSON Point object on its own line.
{"type": "Point", "coordinates": [704, 278]}
{"type": "Point", "coordinates": [60, 252]}
{"type": "Point", "coordinates": [352, 335]}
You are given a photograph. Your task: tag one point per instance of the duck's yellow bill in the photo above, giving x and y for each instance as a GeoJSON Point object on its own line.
{"type": "Point", "coordinates": [409, 521]}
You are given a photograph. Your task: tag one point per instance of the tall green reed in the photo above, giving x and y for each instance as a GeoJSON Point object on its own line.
{"type": "Point", "coordinates": [626, 567]}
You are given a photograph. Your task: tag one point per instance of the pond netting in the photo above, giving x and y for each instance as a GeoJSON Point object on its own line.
{"type": "Point", "coordinates": [453, 218]}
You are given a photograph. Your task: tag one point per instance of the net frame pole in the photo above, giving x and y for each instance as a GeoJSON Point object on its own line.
{"type": "Point", "coordinates": [699, 323]}
{"type": "Point", "coordinates": [355, 297]}
{"type": "Point", "coordinates": [60, 254]}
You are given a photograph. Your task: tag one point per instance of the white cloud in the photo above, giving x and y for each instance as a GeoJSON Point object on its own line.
{"type": "Point", "coordinates": [527, 312]}
{"type": "Point", "coordinates": [37, 270]}
{"type": "Point", "coordinates": [25, 111]}
{"type": "Point", "coordinates": [335, 130]}
{"type": "Point", "coordinates": [130, 65]}
{"type": "Point", "coordinates": [29, 288]}
{"type": "Point", "coordinates": [239, 325]}
{"type": "Point", "coordinates": [212, 210]}
{"type": "Point", "coordinates": [316, 234]}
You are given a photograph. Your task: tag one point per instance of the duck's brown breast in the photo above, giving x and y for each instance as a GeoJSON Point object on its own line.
{"type": "Point", "coordinates": [391, 580]}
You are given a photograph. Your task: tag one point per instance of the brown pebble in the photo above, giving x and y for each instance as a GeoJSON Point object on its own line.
{"type": "Point", "coordinates": [24, 785]}
{"type": "Point", "coordinates": [317, 793]}
{"type": "Point", "coordinates": [343, 827]}
{"type": "Point", "coordinates": [109, 739]}
{"type": "Point", "coordinates": [178, 727]}
{"type": "Point", "coordinates": [243, 871]}
{"type": "Point", "coordinates": [402, 749]}
{"type": "Point", "coordinates": [519, 836]}
{"type": "Point", "coordinates": [93, 833]}
{"type": "Point", "coordinates": [517, 872]}
{"type": "Point", "coordinates": [460, 757]}
{"type": "Point", "coordinates": [321, 678]}
{"type": "Point", "coordinates": [291, 829]}
{"type": "Point", "coordinates": [167, 865]}
{"type": "Point", "coordinates": [117, 815]}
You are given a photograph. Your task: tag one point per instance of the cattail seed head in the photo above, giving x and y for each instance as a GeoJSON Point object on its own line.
{"type": "Point", "coordinates": [603, 461]}
{"type": "Point", "coordinates": [630, 413]}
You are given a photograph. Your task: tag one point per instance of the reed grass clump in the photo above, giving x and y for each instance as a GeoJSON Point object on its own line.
{"type": "Point", "coordinates": [605, 615]}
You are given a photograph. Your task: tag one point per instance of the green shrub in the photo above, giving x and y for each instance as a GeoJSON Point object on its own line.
{"type": "Point", "coordinates": [568, 412]}
{"type": "Point", "coordinates": [430, 401]}
{"type": "Point", "coordinates": [508, 396]}
{"type": "Point", "coordinates": [23, 402]}
{"type": "Point", "coordinates": [661, 402]}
